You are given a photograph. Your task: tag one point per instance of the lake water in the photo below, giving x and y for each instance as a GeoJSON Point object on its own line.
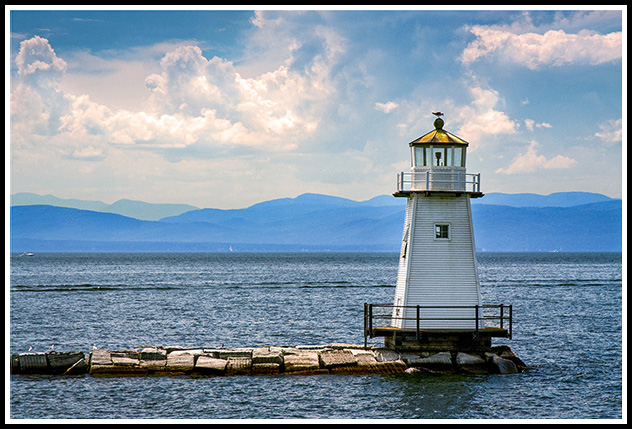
{"type": "Point", "coordinates": [567, 328]}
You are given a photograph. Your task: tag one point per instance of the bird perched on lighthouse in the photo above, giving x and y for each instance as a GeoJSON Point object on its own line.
{"type": "Point", "coordinates": [437, 113]}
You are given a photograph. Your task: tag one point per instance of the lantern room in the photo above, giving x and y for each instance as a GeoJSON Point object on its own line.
{"type": "Point", "coordinates": [438, 148]}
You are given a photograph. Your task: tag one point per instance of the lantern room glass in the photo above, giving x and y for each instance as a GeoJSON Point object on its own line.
{"type": "Point", "coordinates": [442, 156]}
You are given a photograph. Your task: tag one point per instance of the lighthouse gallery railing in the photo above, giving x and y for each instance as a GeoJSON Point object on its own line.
{"type": "Point", "coordinates": [437, 180]}
{"type": "Point", "coordinates": [499, 315]}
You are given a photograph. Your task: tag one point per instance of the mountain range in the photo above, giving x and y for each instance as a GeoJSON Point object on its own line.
{"type": "Point", "coordinates": [568, 221]}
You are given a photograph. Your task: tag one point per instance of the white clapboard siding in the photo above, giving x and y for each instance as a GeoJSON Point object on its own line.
{"type": "Point", "coordinates": [438, 272]}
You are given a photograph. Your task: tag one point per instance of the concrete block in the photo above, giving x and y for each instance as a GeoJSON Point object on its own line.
{"type": "Point", "coordinates": [390, 367]}
{"type": "Point", "coordinates": [60, 362]}
{"type": "Point", "coordinates": [180, 361]}
{"type": "Point", "coordinates": [100, 361]}
{"type": "Point", "coordinates": [153, 353]}
{"type": "Point", "coordinates": [243, 353]}
{"type": "Point", "coordinates": [301, 361]}
{"type": "Point", "coordinates": [366, 359]}
{"type": "Point", "coordinates": [212, 365]}
{"type": "Point", "coordinates": [336, 358]}
{"type": "Point", "coordinates": [153, 359]}
{"type": "Point", "coordinates": [265, 368]}
{"type": "Point", "coordinates": [33, 363]}
{"type": "Point", "coordinates": [15, 363]}
{"type": "Point", "coordinates": [239, 366]}
{"type": "Point", "coordinates": [125, 358]}
{"type": "Point", "coordinates": [266, 355]}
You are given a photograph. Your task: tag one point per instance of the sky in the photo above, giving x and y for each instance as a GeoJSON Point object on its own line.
{"type": "Point", "coordinates": [228, 108]}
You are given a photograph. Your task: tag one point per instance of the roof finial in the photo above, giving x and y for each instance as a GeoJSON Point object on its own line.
{"type": "Point", "coordinates": [438, 123]}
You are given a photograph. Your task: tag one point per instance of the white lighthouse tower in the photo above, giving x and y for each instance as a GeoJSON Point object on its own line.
{"type": "Point", "coordinates": [437, 302]}
{"type": "Point", "coordinates": [437, 265]}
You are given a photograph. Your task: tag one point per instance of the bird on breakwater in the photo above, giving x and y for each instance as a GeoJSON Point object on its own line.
{"type": "Point", "coordinates": [30, 348]}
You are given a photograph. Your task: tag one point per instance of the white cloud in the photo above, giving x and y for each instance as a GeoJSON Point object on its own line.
{"type": "Point", "coordinates": [532, 161]}
{"type": "Point", "coordinates": [192, 100]}
{"type": "Point", "coordinates": [610, 132]}
{"type": "Point", "coordinates": [386, 107]}
{"type": "Point", "coordinates": [531, 124]}
{"type": "Point", "coordinates": [481, 119]}
{"type": "Point", "coordinates": [552, 48]}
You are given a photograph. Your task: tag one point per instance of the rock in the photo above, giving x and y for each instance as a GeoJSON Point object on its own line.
{"type": "Point", "coordinates": [385, 355]}
{"type": "Point", "coordinates": [504, 366]}
{"type": "Point", "coordinates": [441, 362]}
{"type": "Point", "coordinates": [471, 364]}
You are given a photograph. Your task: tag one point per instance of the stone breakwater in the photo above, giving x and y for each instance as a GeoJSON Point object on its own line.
{"type": "Point", "coordinates": [268, 360]}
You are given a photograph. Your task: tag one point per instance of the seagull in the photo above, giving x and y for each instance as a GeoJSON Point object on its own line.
{"type": "Point", "coordinates": [437, 113]}
{"type": "Point", "coordinates": [30, 348]}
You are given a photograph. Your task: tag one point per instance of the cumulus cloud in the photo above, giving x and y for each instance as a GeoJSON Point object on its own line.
{"type": "Point", "coordinates": [193, 100]}
{"type": "Point", "coordinates": [386, 107]}
{"type": "Point", "coordinates": [535, 48]}
{"type": "Point", "coordinates": [481, 118]}
{"type": "Point", "coordinates": [532, 161]}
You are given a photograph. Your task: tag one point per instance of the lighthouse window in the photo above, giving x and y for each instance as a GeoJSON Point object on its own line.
{"type": "Point", "coordinates": [442, 231]}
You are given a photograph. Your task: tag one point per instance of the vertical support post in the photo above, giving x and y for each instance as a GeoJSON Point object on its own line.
{"type": "Point", "coordinates": [371, 320]}
{"type": "Point", "coordinates": [418, 323]}
{"type": "Point", "coordinates": [510, 321]}
{"type": "Point", "coordinates": [476, 309]}
{"type": "Point", "coordinates": [478, 182]}
{"type": "Point", "coordinates": [427, 180]}
{"type": "Point", "coordinates": [501, 316]}
{"type": "Point", "coordinates": [365, 325]}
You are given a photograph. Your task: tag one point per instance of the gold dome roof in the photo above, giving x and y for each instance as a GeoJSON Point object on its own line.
{"type": "Point", "coordinates": [438, 135]}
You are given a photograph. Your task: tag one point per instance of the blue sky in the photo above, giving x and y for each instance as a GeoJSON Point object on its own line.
{"type": "Point", "coordinates": [229, 108]}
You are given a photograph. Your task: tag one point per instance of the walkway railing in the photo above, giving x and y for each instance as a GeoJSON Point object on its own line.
{"type": "Point", "coordinates": [381, 316]}
{"type": "Point", "coordinates": [433, 180]}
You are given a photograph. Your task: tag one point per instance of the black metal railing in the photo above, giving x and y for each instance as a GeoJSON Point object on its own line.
{"type": "Point", "coordinates": [483, 316]}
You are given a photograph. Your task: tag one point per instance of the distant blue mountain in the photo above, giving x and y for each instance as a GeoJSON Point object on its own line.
{"type": "Point", "coordinates": [320, 222]}
{"type": "Point", "coordinates": [130, 208]}
{"type": "Point", "coordinates": [557, 199]}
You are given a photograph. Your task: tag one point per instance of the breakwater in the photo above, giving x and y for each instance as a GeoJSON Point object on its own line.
{"type": "Point", "coordinates": [268, 360]}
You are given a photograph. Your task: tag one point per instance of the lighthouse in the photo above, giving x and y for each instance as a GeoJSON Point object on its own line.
{"type": "Point", "coordinates": [437, 295]}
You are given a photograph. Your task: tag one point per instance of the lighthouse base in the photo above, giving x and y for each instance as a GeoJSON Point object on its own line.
{"type": "Point", "coordinates": [427, 340]}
